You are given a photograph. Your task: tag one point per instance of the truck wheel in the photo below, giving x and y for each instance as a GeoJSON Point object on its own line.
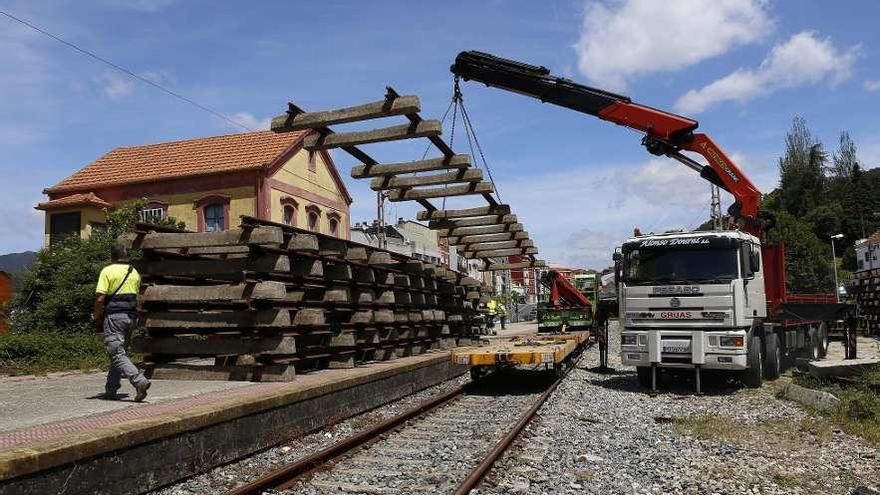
{"type": "Point", "coordinates": [772, 357]}
{"type": "Point", "coordinates": [479, 372]}
{"type": "Point", "coordinates": [823, 339]}
{"type": "Point", "coordinates": [755, 373]}
{"type": "Point", "coordinates": [644, 374]}
{"type": "Point", "coordinates": [815, 344]}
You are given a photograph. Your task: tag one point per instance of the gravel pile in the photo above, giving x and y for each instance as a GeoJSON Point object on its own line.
{"type": "Point", "coordinates": [601, 434]}
{"type": "Point", "coordinates": [226, 477]}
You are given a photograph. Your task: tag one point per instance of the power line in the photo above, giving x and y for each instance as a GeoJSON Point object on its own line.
{"type": "Point", "coordinates": [125, 71]}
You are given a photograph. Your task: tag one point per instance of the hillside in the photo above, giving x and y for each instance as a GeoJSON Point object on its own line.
{"type": "Point", "coordinates": [16, 262]}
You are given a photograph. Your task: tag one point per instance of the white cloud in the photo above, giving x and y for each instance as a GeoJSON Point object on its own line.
{"type": "Point", "coordinates": [577, 217]}
{"type": "Point", "coordinates": [116, 86]}
{"type": "Point", "coordinates": [871, 85]}
{"type": "Point", "coordinates": [251, 121]}
{"type": "Point", "coordinates": [803, 60]}
{"type": "Point", "coordinates": [625, 39]}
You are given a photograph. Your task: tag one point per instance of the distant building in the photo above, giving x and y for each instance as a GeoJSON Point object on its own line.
{"type": "Point", "coordinates": [867, 253]}
{"type": "Point", "coordinates": [525, 278]}
{"type": "Point", "coordinates": [5, 297]}
{"type": "Point", "coordinates": [207, 183]}
{"type": "Point", "coordinates": [406, 237]}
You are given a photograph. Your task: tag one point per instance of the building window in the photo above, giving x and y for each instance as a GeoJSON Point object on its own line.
{"type": "Point", "coordinates": [312, 161]}
{"type": "Point", "coordinates": [214, 218]}
{"type": "Point", "coordinates": [63, 226]}
{"type": "Point", "coordinates": [333, 223]}
{"type": "Point", "coordinates": [152, 215]}
{"type": "Point", "coordinates": [289, 215]}
{"type": "Point", "coordinates": [314, 220]}
{"type": "Point", "coordinates": [213, 213]}
{"type": "Point", "coordinates": [289, 208]}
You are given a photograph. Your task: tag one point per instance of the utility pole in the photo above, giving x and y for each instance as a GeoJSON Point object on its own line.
{"type": "Point", "coordinates": [380, 217]}
{"type": "Point", "coordinates": [717, 219]}
{"type": "Point", "coordinates": [834, 260]}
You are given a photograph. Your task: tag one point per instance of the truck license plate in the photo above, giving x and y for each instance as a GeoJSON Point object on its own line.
{"type": "Point", "coordinates": [677, 346]}
{"type": "Point", "coordinates": [677, 349]}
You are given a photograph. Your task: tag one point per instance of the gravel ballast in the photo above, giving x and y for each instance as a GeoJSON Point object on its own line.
{"type": "Point", "coordinates": [224, 478]}
{"type": "Point", "coordinates": [601, 434]}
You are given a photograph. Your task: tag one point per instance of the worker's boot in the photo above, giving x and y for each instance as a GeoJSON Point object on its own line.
{"type": "Point", "coordinates": [141, 388]}
{"type": "Point", "coordinates": [109, 395]}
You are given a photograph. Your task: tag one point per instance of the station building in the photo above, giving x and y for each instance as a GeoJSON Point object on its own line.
{"type": "Point", "coordinates": [207, 183]}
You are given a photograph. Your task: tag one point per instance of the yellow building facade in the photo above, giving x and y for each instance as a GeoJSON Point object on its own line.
{"type": "Point", "coordinates": [207, 183]}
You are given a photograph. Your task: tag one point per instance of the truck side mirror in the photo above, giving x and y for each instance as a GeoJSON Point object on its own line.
{"type": "Point", "coordinates": [617, 257]}
{"type": "Point", "coordinates": [755, 260]}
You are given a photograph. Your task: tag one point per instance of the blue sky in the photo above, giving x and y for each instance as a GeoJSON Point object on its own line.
{"type": "Point", "coordinates": [743, 68]}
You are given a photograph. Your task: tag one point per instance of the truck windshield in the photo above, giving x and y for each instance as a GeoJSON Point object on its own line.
{"type": "Point", "coordinates": [666, 266]}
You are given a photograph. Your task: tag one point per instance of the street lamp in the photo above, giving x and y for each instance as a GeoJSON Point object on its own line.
{"type": "Point", "coordinates": [834, 260]}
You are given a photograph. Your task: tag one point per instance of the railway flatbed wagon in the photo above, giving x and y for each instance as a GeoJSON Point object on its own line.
{"type": "Point", "coordinates": [550, 350]}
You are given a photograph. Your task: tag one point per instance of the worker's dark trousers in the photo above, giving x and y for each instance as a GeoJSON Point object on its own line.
{"type": "Point", "coordinates": [503, 322]}
{"type": "Point", "coordinates": [117, 330]}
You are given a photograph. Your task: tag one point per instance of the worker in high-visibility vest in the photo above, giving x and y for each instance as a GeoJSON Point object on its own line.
{"type": "Point", "coordinates": [492, 308]}
{"type": "Point", "coordinates": [502, 313]}
{"type": "Point", "coordinates": [115, 314]}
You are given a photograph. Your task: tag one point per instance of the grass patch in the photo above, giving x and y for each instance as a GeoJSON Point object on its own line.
{"type": "Point", "coordinates": [859, 409]}
{"type": "Point", "coordinates": [39, 353]}
{"type": "Point", "coordinates": [779, 433]}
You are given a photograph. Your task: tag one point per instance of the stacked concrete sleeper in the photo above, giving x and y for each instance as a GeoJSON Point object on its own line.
{"type": "Point", "coordinates": [266, 301]}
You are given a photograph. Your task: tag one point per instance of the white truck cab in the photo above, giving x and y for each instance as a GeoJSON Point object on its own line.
{"type": "Point", "coordinates": [689, 300]}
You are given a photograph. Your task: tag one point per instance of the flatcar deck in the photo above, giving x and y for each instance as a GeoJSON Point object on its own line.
{"type": "Point", "coordinates": [550, 349]}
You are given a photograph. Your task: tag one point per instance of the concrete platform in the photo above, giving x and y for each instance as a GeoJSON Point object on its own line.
{"type": "Point", "coordinates": [842, 367]}
{"type": "Point", "coordinates": [55, 439]}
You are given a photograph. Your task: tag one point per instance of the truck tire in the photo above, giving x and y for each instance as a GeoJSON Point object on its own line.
{"type": "Point", "coordinates": [814, 344]}
{"type": "Point", "coordinates": [772, 357]}
{"type": "Point", "coordinates": [823, 339]}
{"type": "Point", "coordinates": [644, 375]}
{"type": "Point", "coordinates": [479, 372]}
{"type": "Point", "coordinates": [753, 376]}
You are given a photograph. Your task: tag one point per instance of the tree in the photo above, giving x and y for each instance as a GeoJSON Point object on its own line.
{"type": "Point", "coordinates": [801, 170]}
{"type": "Point", "coordinates": [845, 162]}
{"type": "Point", "coordinates": [807, 258]}
{"type": "Point", "coordinates": [58, 291]}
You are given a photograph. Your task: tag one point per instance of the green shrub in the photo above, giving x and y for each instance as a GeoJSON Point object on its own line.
{"type": "Point", "coordinates": [57, 294]}
{"type": "Point", "coordinates": [37, 352]}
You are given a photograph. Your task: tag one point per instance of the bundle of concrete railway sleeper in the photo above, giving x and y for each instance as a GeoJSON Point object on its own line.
{"type": "Point", "coordinates": [265, 301]}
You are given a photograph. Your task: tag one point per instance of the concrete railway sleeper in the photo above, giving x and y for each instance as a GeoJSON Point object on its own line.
{"type": "Point", "coordinates": [406, 453]}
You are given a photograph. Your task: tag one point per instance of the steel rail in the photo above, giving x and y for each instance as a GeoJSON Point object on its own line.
{"type": "Point", "coordinates": [285, 476]}
{"type": "Point", "coordinates": [478, 473]}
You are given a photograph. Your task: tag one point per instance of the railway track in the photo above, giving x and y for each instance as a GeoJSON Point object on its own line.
{"type": "Point", "coordinates": [444, 445]}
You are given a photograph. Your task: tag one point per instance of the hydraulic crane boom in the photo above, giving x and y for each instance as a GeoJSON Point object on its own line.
{"type": "Point", "coordinates": [562, 292]}
{"type": "Point", "coordinates": [665, 133]}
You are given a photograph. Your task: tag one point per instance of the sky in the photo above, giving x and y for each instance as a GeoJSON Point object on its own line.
{"type": "Point", "coordinates": [743, 68]}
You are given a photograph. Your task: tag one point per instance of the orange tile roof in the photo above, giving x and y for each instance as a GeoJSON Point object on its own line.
{"type": "Point", "coordinates": [74, 200]}
{"type": "Point", "coordinates": [176, 159]}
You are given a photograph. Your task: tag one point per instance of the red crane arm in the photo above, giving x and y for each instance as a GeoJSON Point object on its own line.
{"type": "Point", "coordinates": [665, 133]}
{"type": "Point", "coordinates": [669, 134]}
{"type": "Point", "coordinates": [561, 290]}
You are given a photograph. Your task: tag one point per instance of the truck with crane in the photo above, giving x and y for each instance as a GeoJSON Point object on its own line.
{"type": "Point", "coordinates": [701, 300]}
{"type": "Point", "coordinates": [568, 306]}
